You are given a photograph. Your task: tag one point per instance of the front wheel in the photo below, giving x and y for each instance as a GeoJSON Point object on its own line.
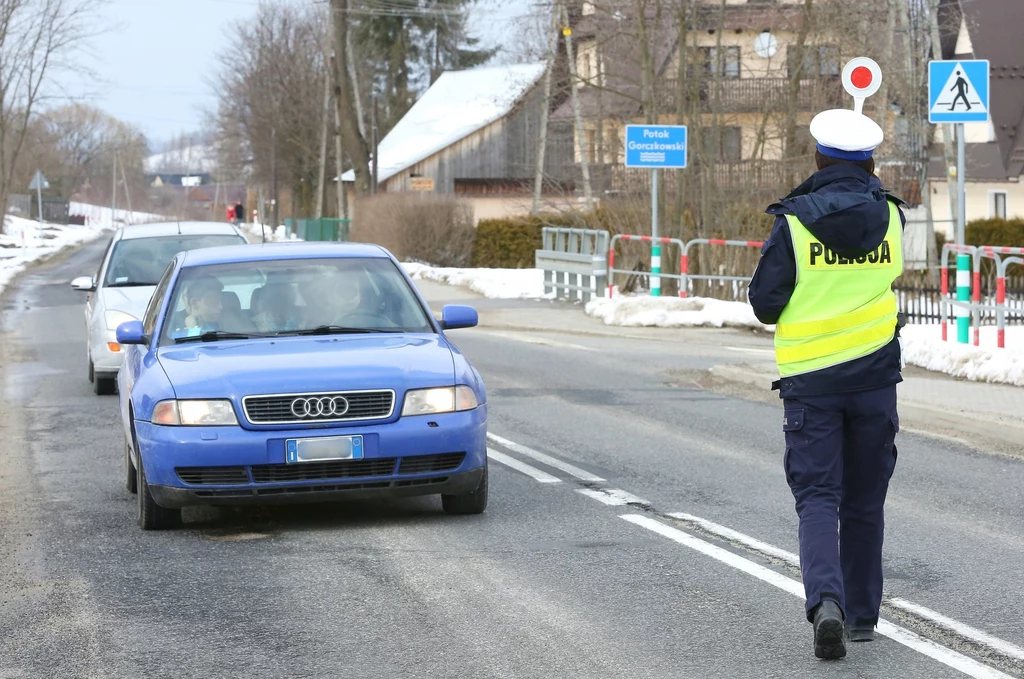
{"type": "Point", "coordinates": [474, 502]}
{"type": "Point", "coordinates": [131, 480]}
{"type": "Point", "coordinates": [103, 386]}
{"type": "Point", "coordinates": [152, 516]}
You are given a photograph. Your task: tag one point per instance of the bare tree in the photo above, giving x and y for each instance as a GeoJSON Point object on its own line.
{"type": "Point", "coordinates": [36, 37]}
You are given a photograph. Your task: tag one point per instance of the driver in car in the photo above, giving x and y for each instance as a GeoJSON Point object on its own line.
{"type": "Point", "coordinates": [331, 298]}
{"type": "Point", "coordinates": [204, 304]}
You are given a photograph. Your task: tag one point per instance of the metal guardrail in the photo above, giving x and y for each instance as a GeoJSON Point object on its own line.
{"type": "Point", "coordinates": [650, 241]}
{"type": "Point", "coordinates": [684, 261]}
{"type": "Point", "coordinates": [968, 304]}
{"type": "Point", "coordinates": [573, 261]}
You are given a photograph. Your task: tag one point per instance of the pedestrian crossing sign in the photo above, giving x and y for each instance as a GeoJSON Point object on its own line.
{"type": "Point", "coordinates": [958, 91]}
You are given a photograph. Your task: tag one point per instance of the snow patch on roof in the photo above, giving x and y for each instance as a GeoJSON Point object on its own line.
{"type": "Point", "coordinates": [198, 158]}
{"type": "Point", "coordinates": [456, 105]}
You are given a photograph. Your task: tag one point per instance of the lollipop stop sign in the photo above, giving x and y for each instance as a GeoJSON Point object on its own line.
{"type": "Point", "coordinates": [861, 78]}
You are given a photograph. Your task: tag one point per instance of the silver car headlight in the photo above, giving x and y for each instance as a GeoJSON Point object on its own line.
{"type": "Point", "coordinates": [194, 413]}
{"type": "Point", "coordinates": [439, 400]}
{"type": "Point", "coordinates": [115, 318]}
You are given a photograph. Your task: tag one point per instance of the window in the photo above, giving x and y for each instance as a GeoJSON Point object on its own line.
{"type": "Point", "coordinates": [149, 318]}
{"type": "Point", "coordinates": [140, 261]}
{"type": "Point", "coordinates": [819, 60]}
{"type": "Point", "coordinates": [725, 64]}
{"type": "Point", "coordinates": [725, 146]}
{"type": "Point", "coordinates": [289, 296]}
{"type": "Point", "coordinates": [998, 204]}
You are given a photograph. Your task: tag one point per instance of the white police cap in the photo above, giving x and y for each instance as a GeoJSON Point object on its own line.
{"type": "Point", "coordinates": [845, 134]}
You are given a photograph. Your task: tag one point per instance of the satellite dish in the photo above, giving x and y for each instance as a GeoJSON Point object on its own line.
{"type": "Point", "coordinates": [765, 45]}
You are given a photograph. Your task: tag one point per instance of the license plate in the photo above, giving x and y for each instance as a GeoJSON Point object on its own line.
{"type": "Point", "coordinates": [322, 449]}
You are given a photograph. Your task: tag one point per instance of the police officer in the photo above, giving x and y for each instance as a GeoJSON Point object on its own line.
{"type": "Point", "coordinates": [825, 279]}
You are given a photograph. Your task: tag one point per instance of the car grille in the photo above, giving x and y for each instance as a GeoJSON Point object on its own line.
{"type": "Point", "coordinates": [253, 493]}
{"type": "Point", "coordinates": [424, 464]}
{"type": "Point", "coordinates": [309, 471]}
{"type": "Point", "coordinates": [213, 476]}
{"type": "Point", "coordinates": [278, 409]}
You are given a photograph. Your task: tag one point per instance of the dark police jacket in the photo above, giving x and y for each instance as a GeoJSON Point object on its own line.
{"type": "Point", "coordinates": [846, 209]}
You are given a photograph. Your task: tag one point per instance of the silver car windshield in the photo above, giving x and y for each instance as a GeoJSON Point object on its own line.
{"type": "Point", "coordinates": [141, 261]}
{"type": "Point", "coordinates": [292, 297]}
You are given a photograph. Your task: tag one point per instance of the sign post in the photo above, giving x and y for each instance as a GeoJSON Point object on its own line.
{"type": "Point", "coordinates": [958, 93]}
{"type": "Point", "coordinates": [37, 184]}
{"type": "Point", "coordinates": [656, 147]}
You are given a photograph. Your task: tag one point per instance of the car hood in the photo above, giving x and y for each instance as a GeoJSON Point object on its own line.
{"type": "Point", "coordinates": [289, 365]}
{"type": "Point", "coordinates": [129, 300]}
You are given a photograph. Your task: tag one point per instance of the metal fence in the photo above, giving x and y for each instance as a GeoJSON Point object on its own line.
{"type": "Point", "coordinates": [325, 229]}
{"type": "Point", "coordinates": [573, 261]}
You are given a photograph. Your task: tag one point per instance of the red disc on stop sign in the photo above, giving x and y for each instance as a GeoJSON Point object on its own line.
{"type": "Point", "coordinates": [862, 77]}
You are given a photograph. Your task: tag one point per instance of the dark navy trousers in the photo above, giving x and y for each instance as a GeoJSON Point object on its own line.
{"type": "Point", "coordinates": [840, 455]}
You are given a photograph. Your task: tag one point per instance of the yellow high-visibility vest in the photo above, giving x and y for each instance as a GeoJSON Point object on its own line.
{"type": "Point", "coordinates": [841, 309]}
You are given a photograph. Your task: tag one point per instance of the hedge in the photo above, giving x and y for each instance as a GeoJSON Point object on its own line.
{"type": "Point", "coordinates": [510, 243]}
{"type": "Point", "coordinates": [1001, 232]}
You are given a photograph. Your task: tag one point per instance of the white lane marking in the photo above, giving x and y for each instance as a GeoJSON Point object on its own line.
{"type": "Point", "coordinates": [1004, 647]}
{"type": "Point", "coordinates": [731, 534]}
{"type": "Point", "coordinates": [537, 474]}
{"type": "Point", "coordinates": [964, 630]}
{"type": "Point", "coordinates": [613, 496]}
{"type": "Point", "coordinates": [580, 474]}
{"type": "Point", "coordinates": [751, 350]}
{"type": "Point", "coordinates": [535, 340]}
{"type": "Point", "coordinates": [946, 656]}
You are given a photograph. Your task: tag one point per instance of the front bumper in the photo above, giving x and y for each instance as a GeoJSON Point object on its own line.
{"type": "Point", "coordinates": [254, 461]}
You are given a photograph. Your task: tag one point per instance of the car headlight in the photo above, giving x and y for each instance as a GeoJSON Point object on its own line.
{"type": "Point", "coordinates": [439, 400]}
{"type": "Point", "coordinates": [116, 318]}
{"type": "Point", "coordinates": [194, 413]}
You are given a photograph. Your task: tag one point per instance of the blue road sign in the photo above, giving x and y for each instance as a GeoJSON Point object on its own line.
{"type": "Point", "coordinates": [656, 146]}
{"type": "Point", "coordinates": [958, 91]}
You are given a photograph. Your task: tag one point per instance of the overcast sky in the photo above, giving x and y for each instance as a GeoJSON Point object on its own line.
{"type": "Point", "coordinates": [156, 67]}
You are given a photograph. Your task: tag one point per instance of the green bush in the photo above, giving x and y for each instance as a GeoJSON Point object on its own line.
{"type": "Point", "coordinates": [510, 243]}
{"type": "Point", "coordinates": [999, 232]}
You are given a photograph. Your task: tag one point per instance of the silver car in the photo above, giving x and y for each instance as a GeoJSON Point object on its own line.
{"type": "Point", "coordinates": [135, 259]}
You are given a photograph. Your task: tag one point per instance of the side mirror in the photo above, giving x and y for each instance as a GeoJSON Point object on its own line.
{"type": "Point", "coordinates": [84, 283]}
{"type": "Point", "coordinates": [131, 332]}
{"type": "Point", "coordinates": [455, 316]}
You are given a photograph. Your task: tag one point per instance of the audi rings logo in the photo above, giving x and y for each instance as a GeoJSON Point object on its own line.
{"type": "Point", "coordinates": [322, 407]}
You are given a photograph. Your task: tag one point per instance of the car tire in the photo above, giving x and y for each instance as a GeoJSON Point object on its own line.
{"type": "Point", "coordinates": [103, 386]}
{"type": "Point", "coordinates": [152, 516]}
{"type": "Point", "coordinates": [131, 480]}
{"type": "Point", "coordinates": [469, 503]}
{"type": "Point", "coordinates": [92, 372]}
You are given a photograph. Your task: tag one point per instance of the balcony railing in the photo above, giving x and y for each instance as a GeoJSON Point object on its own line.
{"type": "Point", "coordinates": [751, 95]}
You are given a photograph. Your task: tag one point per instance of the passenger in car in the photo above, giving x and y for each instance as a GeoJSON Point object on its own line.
{"type": "Point", "coordinates": [276, 311]}
{"type": "Point", "coordinates": [204, 303]}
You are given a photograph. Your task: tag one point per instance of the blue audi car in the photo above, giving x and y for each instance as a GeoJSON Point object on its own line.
{"type": "Point", "coordinates": [297, 372]}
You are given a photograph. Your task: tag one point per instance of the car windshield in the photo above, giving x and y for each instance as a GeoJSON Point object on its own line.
{"type": "Point", "coordinates": [292, 297]}
{"type": "Point", "coordinates": [141, 261]}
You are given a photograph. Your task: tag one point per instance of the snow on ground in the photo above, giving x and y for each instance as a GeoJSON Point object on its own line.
{"type": "Point", "coordinates": [491, 283]}
{"type": "Point", "coordinates": [673, 312]}
{"type": "Point", "coordinates": [923, 347]}
{"type": "Point", "coordinates": [104, 217]}
{"type": "Point", "coordinates": [26, 241]}
{"type": "Point", "coordinates": [257, 231]}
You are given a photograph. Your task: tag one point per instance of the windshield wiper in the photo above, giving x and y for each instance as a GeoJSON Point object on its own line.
{"type": "Point", "coordinates": [214, 335]}
{"type": "Point", "coordinates": [130, 284]}
{"type": "Point", "coordinates": [335, 330]}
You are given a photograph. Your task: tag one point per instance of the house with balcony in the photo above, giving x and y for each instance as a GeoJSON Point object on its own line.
{"type": "Point", "coordinates": [737, 76]}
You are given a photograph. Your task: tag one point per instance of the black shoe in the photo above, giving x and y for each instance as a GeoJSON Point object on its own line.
{"type": "Point", "coordinates": [861, 633]}
{"type": "Point", "coordinates": [828, 631]}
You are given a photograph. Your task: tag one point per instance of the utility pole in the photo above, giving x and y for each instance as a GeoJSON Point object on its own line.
{"type": "Point", "coordinates": [580, 132]}
{"type": "Point", "coordinates": [127, 191]}
{"type": "Point", "coordinates": [113, 198]}
{"type": "Point", "coordinates": [322, 166]}
{"type": "Point", "coordinates": [339, 154]}
{"type": "Point", "coordinates": [273, 176]}
{"type": "Point", "coordinates": [376, 144]}
{"type": "Point", "coordinates": [538, 182]}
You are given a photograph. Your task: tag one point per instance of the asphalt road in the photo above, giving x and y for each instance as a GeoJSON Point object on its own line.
{"type": "Point", "coordinates": [577, 569]}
